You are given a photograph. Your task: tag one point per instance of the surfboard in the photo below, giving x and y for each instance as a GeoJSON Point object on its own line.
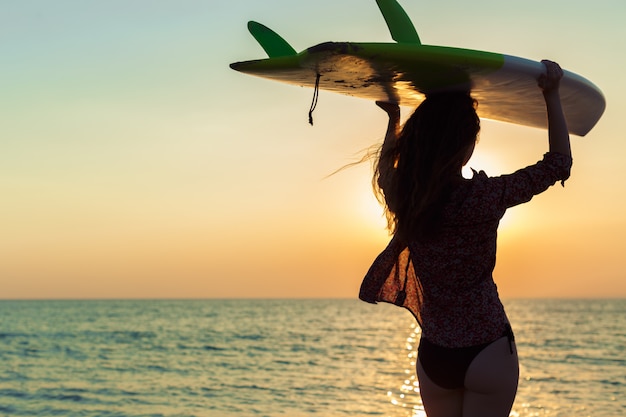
{"type": "Point", "coordinates": [405, 71]}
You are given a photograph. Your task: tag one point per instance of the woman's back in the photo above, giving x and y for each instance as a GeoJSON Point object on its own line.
{"type": "Point", "coordinates": [449, 277]}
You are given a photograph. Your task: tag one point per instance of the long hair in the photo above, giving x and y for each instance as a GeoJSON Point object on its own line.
{"type": "Point", "coordinates": [413, 177]}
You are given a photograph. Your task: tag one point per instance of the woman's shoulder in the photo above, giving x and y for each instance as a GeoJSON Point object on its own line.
{"type": "Point", "coordinates": [467, 186]}
{"type": "Point", "coordinates": [478, 197]}
{"type": "Point", "coordinates": [554, 165]}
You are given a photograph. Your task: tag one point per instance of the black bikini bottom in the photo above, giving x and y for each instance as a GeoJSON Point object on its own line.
{"type": "Point", "coordinates": [447, 367]}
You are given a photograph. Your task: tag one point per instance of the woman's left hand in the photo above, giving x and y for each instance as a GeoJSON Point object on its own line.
{"type": "Point", "coordinates": [392, 109]}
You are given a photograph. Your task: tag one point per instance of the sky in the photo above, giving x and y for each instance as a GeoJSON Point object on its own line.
{"type": "Point", "coordinates": [135, 163]}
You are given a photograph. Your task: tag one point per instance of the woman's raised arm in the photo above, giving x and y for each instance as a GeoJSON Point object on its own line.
{"type": "Point", "coordinates": [549, 82]}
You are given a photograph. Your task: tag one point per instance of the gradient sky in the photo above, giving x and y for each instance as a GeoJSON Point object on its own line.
{"type": "Point", "coordinates": [135, 164]}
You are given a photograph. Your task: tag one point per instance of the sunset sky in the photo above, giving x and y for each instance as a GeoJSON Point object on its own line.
{"type": "Point", "coordinates": [135, 163]}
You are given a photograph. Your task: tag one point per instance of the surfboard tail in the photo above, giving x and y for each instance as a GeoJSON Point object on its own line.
{"type": "Point", "coordinates": [398, 22]}
{"type": "Point", "coordinates": [271, 42]}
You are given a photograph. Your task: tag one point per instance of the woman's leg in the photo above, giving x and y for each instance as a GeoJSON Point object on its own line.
{"type": "Point", "coordinates": [437, 401]}
{"type": "Point", "coordinates": [491, 381]}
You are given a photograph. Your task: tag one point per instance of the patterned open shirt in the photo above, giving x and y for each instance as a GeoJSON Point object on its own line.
{"type": "Point", "coordinates": [447, 284]}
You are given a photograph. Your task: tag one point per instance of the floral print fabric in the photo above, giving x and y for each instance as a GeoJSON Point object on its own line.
{"type": "Point", "coordinates": [447, 283]}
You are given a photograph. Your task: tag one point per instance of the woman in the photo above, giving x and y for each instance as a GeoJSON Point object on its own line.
{"type": "Point", "coordinates": [440, 261]}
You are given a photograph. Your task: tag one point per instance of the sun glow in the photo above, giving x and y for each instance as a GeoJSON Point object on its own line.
{"type": "Point", "coordinates": [371, 210]}
{"type": "Point", "coordinates": [481, 161]}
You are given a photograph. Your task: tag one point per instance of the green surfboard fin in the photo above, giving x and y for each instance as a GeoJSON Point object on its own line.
{"type": "Point", "coordinates": [270, 41]}
{"type": "Point", "coordinates": [398, 22]}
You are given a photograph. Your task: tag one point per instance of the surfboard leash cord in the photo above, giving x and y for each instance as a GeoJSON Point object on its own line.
{"type": "Point", "coordinates": [316, 93]}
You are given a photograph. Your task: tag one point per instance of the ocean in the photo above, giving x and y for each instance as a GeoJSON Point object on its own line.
{"type": "Point", "coordinates": [296, 358]}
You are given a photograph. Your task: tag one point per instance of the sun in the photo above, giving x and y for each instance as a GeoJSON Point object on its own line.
{"type": "Point", "coordinates": [370, 209]}
{"type": "Point", "coordinates": [482, 160]}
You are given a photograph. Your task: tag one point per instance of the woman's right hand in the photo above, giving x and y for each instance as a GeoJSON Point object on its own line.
{"type": "Point", "coordinates": [551, 79]}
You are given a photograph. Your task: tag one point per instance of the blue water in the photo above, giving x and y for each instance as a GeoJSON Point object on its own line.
{"type": "Point", "coordinates": [284, 358]}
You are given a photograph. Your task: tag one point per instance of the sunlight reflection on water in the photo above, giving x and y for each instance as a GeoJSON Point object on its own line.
{"type": "Point", "coordinates": [407, 395]}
